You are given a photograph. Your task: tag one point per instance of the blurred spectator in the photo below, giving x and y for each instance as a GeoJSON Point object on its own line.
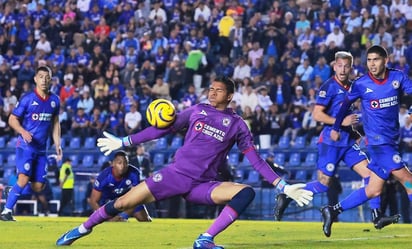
{"type": "Point", "coordinates": [68, 89]}
{"type": "Point", "coordinates": [160, 90]}
{"type": "Point", "coordinates": [97, 122]}
{"type": "Point", "coordinates": [115, 119]}
{"type": "Point", "coordinates": [293, 123]}
{"type": "Point", "coordinates": [406, 135]}
{"type": "Point", "coordinates": [248, 98]}
{"type": "Point", "coordinates": [132, 120]}
{"type": "Point", "coordinates": [276, 123]}
{"type": "Point", "coordinates": [299, 99]}
{"type": "Point", "coordinates": [310, 127]}
{"type": "Point", "coordinates": [86, 102]}
{"type": "Point", "coordinates": [80, 123]}
{"type": "Point", "coordinates": [242, 69]}
{"type": "Point", "coordinates": [190, 98]}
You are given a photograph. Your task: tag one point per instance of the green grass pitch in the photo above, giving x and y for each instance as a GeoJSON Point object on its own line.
{"type": "Point", "coordinates": [42, 232]}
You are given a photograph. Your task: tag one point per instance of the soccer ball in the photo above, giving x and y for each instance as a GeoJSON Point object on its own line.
{"type": "Point", "coordinates": [161, 113]}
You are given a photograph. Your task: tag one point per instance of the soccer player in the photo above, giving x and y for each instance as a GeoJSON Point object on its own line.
{"type": "Point", "coordinates": [115, 181]}
{"type": "Point", "coordinates": [36, 114]}
{"type": "Point", "coordinates": [380, 92]}
{"type": "Point", "coordinates": [328, 101]}
{"type": "Point", "coordinates": [212, 130]}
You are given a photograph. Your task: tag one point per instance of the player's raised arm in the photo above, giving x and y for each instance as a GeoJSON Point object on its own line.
{"type": "Point", "coordinates": [110, 143]}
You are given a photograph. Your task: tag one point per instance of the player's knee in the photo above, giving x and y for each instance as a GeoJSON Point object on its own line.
{"type": "Point", "coordinates": [242, 199]}
{"type": "Point", "coordinates": [247, 193]}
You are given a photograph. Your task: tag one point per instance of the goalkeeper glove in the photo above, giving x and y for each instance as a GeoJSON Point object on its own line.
{"type": "Point", "coordinates": [109, 143]}
{"type": "Point", "coordinates": [296, 192]}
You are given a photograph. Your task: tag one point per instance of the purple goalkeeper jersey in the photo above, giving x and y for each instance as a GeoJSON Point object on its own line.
{"type": "Point", "coordinates": [380, 101]}
{"type": "Point", "coordinates": [36, 116]}
{"type": "Point", "coordinates": [210, 135]}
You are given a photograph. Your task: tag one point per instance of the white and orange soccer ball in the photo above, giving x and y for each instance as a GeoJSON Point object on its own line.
{"type": "Point", "coordinates": [161, 113]}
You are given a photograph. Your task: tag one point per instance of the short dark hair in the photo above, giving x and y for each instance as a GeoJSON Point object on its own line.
{"type": "Point", "coordinates": [229, 82]}
{"type": "Point", "coordinates": [123, 154]}
{"type": "Point", "coordinates": [44, 69]}
{"type": "Point", "coordinates": [377, 49]}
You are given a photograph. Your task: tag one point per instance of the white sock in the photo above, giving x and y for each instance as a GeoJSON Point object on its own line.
{"type": "Point", "coordinates": [207, 234]}
{"type": "Point", "coordinates": [82, 229]}
{"type": "Point", "coordinates": [6, 210]}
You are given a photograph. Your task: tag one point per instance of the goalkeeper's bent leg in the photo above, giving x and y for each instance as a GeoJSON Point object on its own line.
{"type": "Point", "coordinates": [102, 214]}
{"type": "Point", "coordinates": [232, 210]}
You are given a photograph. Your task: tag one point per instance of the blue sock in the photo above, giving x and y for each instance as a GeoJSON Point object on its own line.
{"type": "Point", "coordinates": [355, 199]}
{"type": "Point", "coordinates": [374, 203]}
{"type": "Point", "coordinates": [27, 190]}
{"type": "Point", "coordinates": [316, 187]}
{"type": "Point", "coordinates": [14, 195]}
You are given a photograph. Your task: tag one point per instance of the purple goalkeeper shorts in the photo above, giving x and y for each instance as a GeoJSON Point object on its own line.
{"type": "Point", "coordinates": [167, 182]}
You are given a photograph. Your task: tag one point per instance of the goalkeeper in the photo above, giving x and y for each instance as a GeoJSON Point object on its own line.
{"type": "Point", "coordinates": [212, 130]}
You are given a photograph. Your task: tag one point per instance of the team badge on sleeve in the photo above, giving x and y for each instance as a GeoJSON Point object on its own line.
{"type": "Point", "coordinates": [322, 94]}
{"type": "Point", "coordinates": [396, 158]}
{"type": "Point", "coordinates": [157, 177]}
{"type": "Point", "coordinates": [395, 84]}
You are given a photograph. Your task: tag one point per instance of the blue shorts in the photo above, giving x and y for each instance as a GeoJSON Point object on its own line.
{"type": "Point", "coordinates": [330, 156]}
{"type": "Point", "coordinates": [167, 182]}
{"type": "Point", "coordinates": [31, 163]}
{"type": "Point", "coordinates": [384, 159]}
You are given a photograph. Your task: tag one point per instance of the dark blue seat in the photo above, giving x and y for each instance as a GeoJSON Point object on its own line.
{"type": "Point", "coordinates": [11, 144]}
{"type": "Point", "coordinates": [3, 142]}
{"type": "Point", "coordinates": [102, 159]}
{"type": "Point", "coordinates": [11, 160]}
{"type": "Point", "coordinates": [314, 142]}
{"type": "Point", "coordinates": [300, 142]}
{"type": "Point", "coordinates": [295, 159]}
{"type": "Point", "coordinates": [284, 142]}
{"type": "Point", "coordinates": [253, 178]}
{"type": "Point", "coordinates": [310, 160]}
{"type": "Point", "coordinates": [159, 159]}
{"type": "Point", "coordinates": [161, 144]}
{"type": "Point", "coordinates": [233, 158]}
{"type": "Point", "coordinates": [74, 143]}
{"type": "Point", "coordinates": [75, 159]}
{"type": "Point", "coordinates": [176, 143]}
{"type": "Point", "coordinates": [90, 143]}
{"type": "Point", "coordinates": [280, 159]}
{"type": "Point", "coordinates": [301, 175]}
{"type": "Point", "coordinates": [88, 161]}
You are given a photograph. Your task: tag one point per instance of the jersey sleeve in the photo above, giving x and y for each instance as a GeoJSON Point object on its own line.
{"type": "Point", "coordinates": [406, 83]}
{"type": "Point", "coordinates": [324, 96]}
{"type": "Point", "coordinates": [99, 182]}
{"type": "Point", "coordinates": [21, 106]}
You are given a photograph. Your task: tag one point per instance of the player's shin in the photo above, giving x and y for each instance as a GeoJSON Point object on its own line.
{"type": "Point", "coordinates": [232, 210]}
{"type": "Point", "coordinates": [102, 214]}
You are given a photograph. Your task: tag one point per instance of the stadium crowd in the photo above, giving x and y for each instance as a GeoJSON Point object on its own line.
{"type": "Point", "coordinates": [111, 58]}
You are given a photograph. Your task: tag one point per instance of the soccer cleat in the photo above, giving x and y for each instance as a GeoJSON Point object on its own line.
{"type": "Point", "coordinates": [205, 242]}
{"type": "Point", "coordinates": [7, 217]}
{"type": "Point", "coordinates": [282, 202]}
{"type": "Point", "coordinates": [69, 237]}
{"type": "Point", "coordinates": [328, 216]}
{"type": "Point", "coordinates": [383, 221]}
